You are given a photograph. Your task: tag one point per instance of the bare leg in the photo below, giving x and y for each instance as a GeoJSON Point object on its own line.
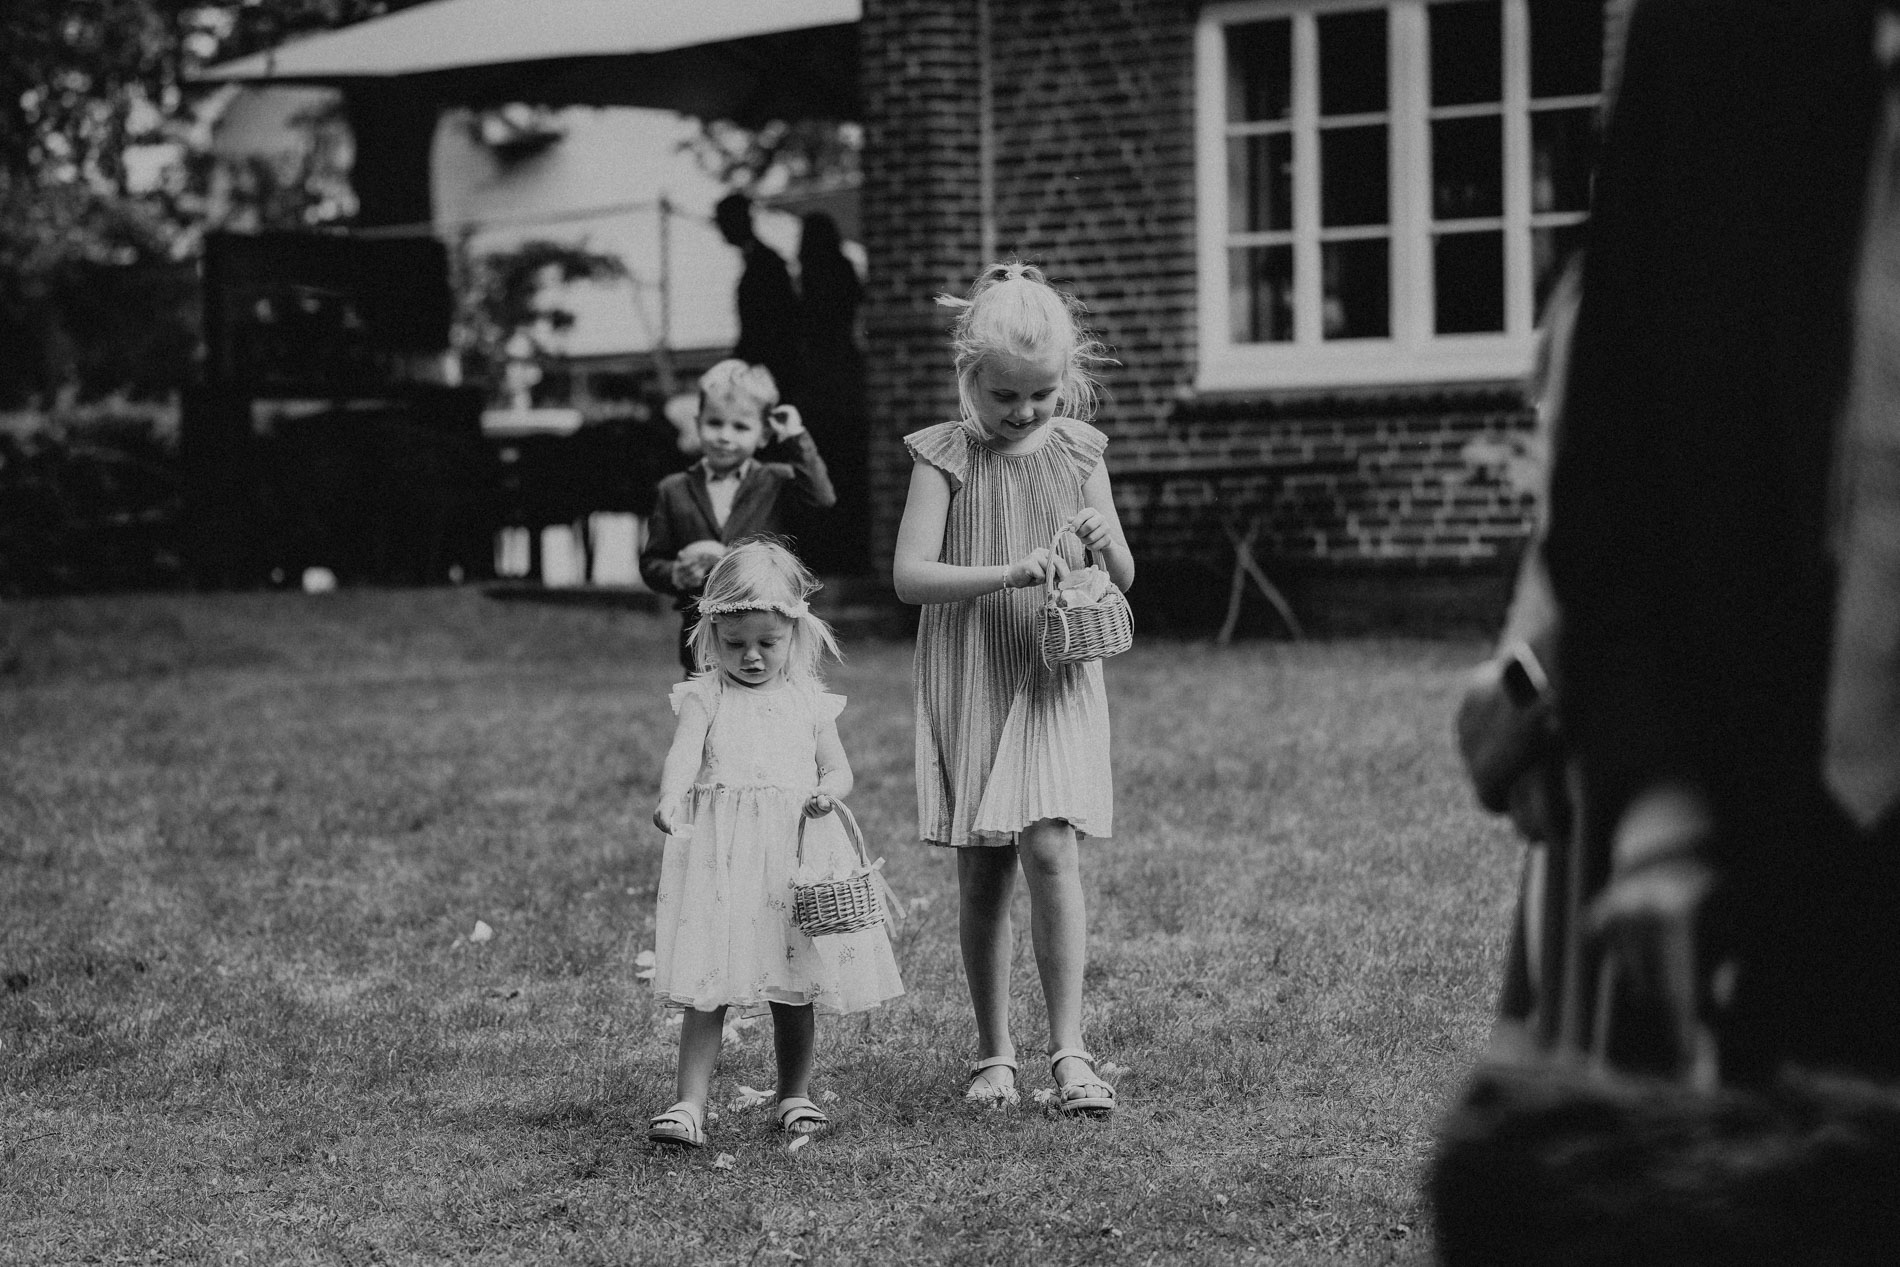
{"type": "Point", "coordinates": [794, 1034]}
{"type": "Point", "coordinates": [700, 1034]}
{"type": "Point", "coordinates": [1058, 929]}
{"type": "Point", "coordinates": [986, 876]}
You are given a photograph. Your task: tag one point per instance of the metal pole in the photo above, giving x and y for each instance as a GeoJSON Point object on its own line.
{"type": "Point", "coordinates": [662, 348]}
{"type": "Point", "coordinates": [985, 139]}
{"type": "Point", "coordinates": [666, 271]}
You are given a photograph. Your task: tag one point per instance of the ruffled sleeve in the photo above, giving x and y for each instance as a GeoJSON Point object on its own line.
{"type": "Point", "coordinates": [826, 706]}
{"type": "Point", "coordinates": [945, 446]}
{"type": "Point", "coordinates": [1082, 443]}
{"type": "Point", "coordinates": [702, 686]}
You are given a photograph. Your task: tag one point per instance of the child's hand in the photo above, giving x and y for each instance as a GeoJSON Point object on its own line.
{"type": "Point", "coordinates": [1091, 529]}
{"type": "Point", "coordinates": [784, 422]}
{"type": "Point", "coordinates": [694, 562]}
{"type": "Point", "coordinates": [819, 805]}
{"type": "Point", "coordinates": [661, 821]}
{"type": "Point", "coordinates": [1033, 568]}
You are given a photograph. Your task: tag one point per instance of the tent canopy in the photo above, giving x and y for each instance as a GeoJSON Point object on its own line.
{"type": "Point", "coordinates": [744, 60]}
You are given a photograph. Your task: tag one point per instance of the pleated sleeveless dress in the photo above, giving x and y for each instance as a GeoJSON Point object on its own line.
{"type": "Point", "coordinates": [1002, 740]}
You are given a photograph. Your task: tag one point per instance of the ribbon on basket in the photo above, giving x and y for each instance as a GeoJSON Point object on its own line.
{"type": "Point", "coordinates": [842, 904]}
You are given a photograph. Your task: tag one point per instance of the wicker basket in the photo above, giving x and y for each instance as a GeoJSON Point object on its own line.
{"type": "Point", "coordinates": [1070, 635]}
{"type": "Point", "coordinates": [847, 905]}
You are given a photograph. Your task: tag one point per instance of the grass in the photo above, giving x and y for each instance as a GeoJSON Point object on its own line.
{"type": "Point", "coordinates": [244, 839]}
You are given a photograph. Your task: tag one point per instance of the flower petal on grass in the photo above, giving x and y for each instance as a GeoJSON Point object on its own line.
{"type": "Point", "coordinates": [724, 1161]}
{"type": "Point", "coordinates": [797, 1142]}
{"type": "Point", "coordinates": [829, 1097]}
{"type": "Point", "coordinates": [645, 964]}
{"type": "Point", "coordinates": [1046, 1096]}
{"type": "Point", "coordinates": [751, 1097]}
{"type": "Point", "coordinates": [481, 931]}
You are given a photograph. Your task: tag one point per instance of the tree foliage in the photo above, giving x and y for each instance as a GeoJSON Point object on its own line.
{"type": "Point", "coordinates": [106, 183]}
{"type": "Point", "coordinates": [799, 153]}
{"type": "Point", "coordinates": [499, 296]}
{"type": "Point", "coordinates": [103, 180]}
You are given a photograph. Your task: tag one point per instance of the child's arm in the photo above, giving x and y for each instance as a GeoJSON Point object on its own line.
{"type": "Point", "coordinates": [834, 772]}
{"type": "Point", "coordinates": [918, 572]}
{"type": "Point", "coordinates": [682, 761]}
{"type": "Point", "coordinates": [811, 482]}
{"type": "Point", "coordinates": [1100, 528]}
{"type": "Point", "coordinates": [662, 547]}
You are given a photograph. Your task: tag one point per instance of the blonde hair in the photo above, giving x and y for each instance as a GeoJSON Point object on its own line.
{"type": "Point", "coordinates": [739, 386]}
{"type": "Point", "coordinates": [1012, 310]}
{"type": "Point", "coordinates": [758, 574]}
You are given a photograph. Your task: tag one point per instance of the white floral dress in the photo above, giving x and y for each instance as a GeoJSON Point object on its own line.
{"type": "Point", "coordinates": [724, 934]}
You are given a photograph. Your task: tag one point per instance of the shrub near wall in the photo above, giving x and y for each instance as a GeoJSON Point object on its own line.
{"type": "Point", "coordinates": [89, 500]}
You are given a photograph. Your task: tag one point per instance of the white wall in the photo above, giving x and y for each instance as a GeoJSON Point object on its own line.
{"type": "Point", "coordinates": [597, 187]}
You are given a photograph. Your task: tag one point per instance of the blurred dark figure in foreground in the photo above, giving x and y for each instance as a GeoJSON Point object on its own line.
{"type": "Point", "coordinates": [767, 304]}
{"type": "Point", "coordinates": [1719, 981]}
{"type": "Point", "coordinates": [1513, 750]}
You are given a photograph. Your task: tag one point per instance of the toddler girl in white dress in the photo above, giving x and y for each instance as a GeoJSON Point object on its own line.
{"type": "Point", "coordinates": [757, 748]}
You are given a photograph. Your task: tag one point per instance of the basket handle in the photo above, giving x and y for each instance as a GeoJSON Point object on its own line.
{"type": "Point", "coordinates": [1696, 1061]}
{"type": "Point", "coordinates": [1090, 555]}
{"type": "Point", "coordinates": [851, 830]}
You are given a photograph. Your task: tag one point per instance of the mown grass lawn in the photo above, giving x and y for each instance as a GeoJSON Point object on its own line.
{"type": "Point", "coordinates": [244, 840]}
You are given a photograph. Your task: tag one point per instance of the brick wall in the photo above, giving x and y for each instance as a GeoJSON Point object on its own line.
{"type": "Point", "coordinates": [1445, 479]}
{"type": "Point", "coordinates": [921, 224]}
{"type": "Point", "coordinates": [1093, 109]}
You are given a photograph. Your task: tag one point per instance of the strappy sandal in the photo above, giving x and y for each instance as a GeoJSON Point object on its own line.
{"type": "Point", "coordinates": [799, 1116]}
{"type": "Point", "coordinates": [679, 1127]}
{"type": "Point", "coordinates": [1085, 1096]}
{"type": "Point", "coordinates": [982, 1092]}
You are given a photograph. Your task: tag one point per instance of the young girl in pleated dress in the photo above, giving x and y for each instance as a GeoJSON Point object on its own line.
{"type": "Point", "coordinates": [1012, 756]}
{"type": "Point", "coordinates": [756, 749]}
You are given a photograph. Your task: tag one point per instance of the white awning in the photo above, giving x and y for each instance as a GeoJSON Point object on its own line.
{"type": "Point", "coordinates": [742, 59]}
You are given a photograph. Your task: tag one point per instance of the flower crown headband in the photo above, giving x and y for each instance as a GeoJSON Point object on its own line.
{"type": "Point", "coordinates": [795, 611]}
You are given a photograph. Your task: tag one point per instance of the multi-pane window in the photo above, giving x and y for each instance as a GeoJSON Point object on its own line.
{"type": "Point", "coordinates": [1388, 189]}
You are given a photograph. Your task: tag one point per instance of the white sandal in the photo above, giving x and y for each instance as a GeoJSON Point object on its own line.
{"type": "Point", "coordinates": [992, 1095]}
{"type": "Point", "coordinates": [799, 1116]}
{"type": "Point", "coordinates": [678, 1127]}
{"type": "Point", "coordinates": [1091, 1095]}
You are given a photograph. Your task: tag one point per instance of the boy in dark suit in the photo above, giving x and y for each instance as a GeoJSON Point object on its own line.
{"type": "Point", "coordinates": [729, 493]}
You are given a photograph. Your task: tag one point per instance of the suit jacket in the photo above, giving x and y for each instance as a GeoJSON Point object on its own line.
{"type": "Point", "coordinates": [683, 513]}
{"type": "Point", "coordinates": [769, 318]}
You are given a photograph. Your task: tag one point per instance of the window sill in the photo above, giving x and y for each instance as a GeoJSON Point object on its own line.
{"type": "Point", "coordinates": [1378, 364]}
{"type": "Point", "coordinates": [1493, 396]}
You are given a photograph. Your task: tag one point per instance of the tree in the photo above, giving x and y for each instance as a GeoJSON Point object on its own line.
{"type": "Point", "coordinates": [102, 181]}
{"type": "Point", "coordinates": [499, 297]}
{"type": "Point", "coordinates": [803, 153]}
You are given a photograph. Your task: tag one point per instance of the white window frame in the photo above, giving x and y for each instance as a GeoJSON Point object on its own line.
{"type": "Point", "coordinates": [1412, 353]}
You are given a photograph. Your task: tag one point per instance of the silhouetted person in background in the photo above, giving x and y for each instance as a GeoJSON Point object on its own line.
{"type": "Point", "coordinates": [767, 304]}
{"type": "Point", "coordinates": [833, 395]}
